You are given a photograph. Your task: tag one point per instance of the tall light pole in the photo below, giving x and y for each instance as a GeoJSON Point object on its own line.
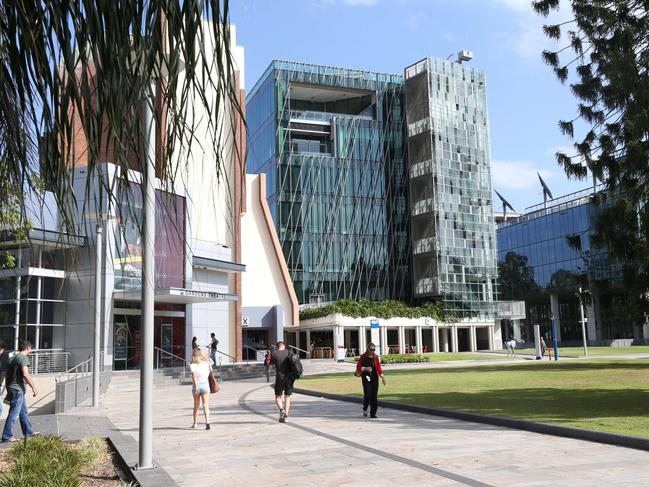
{"type": "Point", "coordinates": [148, 283]}
{"type": "Point", "coordinates": [582, 319]}
{"type": "Point", "coordinates": [96, 352]}
{"type": "Point", "coordinates": [554, 338]}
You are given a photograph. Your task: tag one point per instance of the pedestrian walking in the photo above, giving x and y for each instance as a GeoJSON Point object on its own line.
{"type": "Point", "coordinates": [287, 369]}
{"type": "Point", "coordinates": [17, 376]}
{"type": "Point", "coordinates": [544, 347]}
{"type": "Point", "coordinates": [201, 370]}
{"type": "Point", "coordinates": [512, 345]}
{"type": "Point", "coordinates": [213, 344]}
{"type": "Point", "coordinates": [194, 343]}
{"type": "Point", "coordinates": [4, 362]}
{"type": "Point", "coordinates": [267, 357]}
{"type": "Point", "coordinates": [369, 370]}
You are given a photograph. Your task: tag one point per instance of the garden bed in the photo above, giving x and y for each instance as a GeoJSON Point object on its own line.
{"type": "Point", "coordinates": [48, 461]}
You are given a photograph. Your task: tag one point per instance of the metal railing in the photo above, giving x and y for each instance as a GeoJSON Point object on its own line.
{"type": "Point", "coordinates": [80, 370]}
{"type": "Point", "coordinates": [308, 354]}
{"type": "Point", "coordinates": [164, 355]}
{"type": "Point", "coordinates": [256, 352]}
{"type": "Point", "coordinates": [48, 361]}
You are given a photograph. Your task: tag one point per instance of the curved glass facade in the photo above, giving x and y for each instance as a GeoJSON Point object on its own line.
{"type": "Point", "coordinates": [330, 141]}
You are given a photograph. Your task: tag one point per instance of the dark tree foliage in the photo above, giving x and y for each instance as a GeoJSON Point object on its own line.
{"type": "Point", "coordinates": [516, 278]}
{"type": "Point", "coordinates": [603, 54]}
{"type": "Point", "coordinates": [98, 60]}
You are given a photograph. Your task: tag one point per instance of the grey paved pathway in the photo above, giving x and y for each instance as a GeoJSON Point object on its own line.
{"type": "Point", "coordinates": [328, 443]}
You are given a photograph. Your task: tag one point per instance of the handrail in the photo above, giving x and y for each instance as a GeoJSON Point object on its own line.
{"type": "Point", "coordinates": [85, 366]}
{"type": "Point", "coordinates": [254, 350]}
{"type": "Point", "coordinates": [223, 353]}
{"type": "Point", "coordinates": [171, 354]}
{"type": "Point", "coordinates": [308, 354]}
{"type": "Point", "coordinates": [184, 362]}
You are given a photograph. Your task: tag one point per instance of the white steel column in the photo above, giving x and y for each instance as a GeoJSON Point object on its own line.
{"type": "Point", "coordinates": [419, 339]}
{"type": "Point", "coordinates": [361, 340]}
{"type": "Point", "coordinates": [491, 336]}
{"type": "Point", "coordinates": [384, 340]}
{"type": "Point", "coordinates": [148, 285]}
{"type": "Point", "coordinates": [473, 345]}
{"type": "Point", "coordinates": [96, 351]}
{"type": "Point", "coordinates": [517, 330]}
{"type": "Point", "coordinates": [454, 345]}
{"type": "Point", "coordinates": [402, 338]}
{"type": "Point", "coordinates": [297, 338]}
{"type": "Point", "coordinates": [17, 315]}
{"type": "Point", "coordinates": [308, 343]}
{"type": "Point", "coordinates": [435, 339]}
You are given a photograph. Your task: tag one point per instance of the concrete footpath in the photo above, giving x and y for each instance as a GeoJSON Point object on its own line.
{"type": "Point", "coordinates": [329, 443]}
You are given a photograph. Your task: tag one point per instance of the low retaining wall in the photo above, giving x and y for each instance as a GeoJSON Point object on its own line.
{"type": "Point", "coordinates": [78, 392]}
{"type": "Point", "coordinates": [521, 424]}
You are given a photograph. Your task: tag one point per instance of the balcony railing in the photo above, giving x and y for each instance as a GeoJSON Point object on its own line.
{"type": "Point", "coordinates": [48, 361]}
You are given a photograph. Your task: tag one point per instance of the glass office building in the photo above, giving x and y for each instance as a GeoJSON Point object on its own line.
{"type": "Point", "coordinates": [452, 224]}
{"type": "Point", "coordinates": [547, 251]}
{"type": "Point", "coordinates": [330, 141]}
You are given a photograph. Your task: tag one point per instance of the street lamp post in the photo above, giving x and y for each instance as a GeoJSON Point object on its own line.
{"type": "Point", "coordinates": [582, 319]}
{"type": "Point", "coordinates": [554, 338]}
{"type": "Point", "coordinates": [148, 282]}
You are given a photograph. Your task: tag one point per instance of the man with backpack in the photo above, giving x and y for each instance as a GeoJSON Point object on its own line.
{"type": "Point", "coordinates": [287, 368]}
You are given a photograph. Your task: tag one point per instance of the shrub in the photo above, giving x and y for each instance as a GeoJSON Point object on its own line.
{"type": "Point", "coordinates": [43, 461]}
{"type": "Point", "coordinates": [366, 308]}
{"type": "Point", "coordinates": [406, 358]}
{"type": "Point", "coordinates": [93, 452]}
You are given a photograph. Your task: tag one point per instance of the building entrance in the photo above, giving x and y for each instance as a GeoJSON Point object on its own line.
{"type": "Point", "coordinates": [254, 340]}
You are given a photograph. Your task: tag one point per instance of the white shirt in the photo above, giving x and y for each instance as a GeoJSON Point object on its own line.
{"type": "Point", "coordinates": [202, 371]}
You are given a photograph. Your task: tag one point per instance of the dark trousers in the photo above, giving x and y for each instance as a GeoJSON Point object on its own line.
{"type": "Point", "coordinates": [370, 394]}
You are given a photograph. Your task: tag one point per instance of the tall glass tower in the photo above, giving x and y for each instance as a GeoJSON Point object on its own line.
{"type": "Point", "coordinates": [331, 142]}
{"type": "Point", "coordinates": [453, 230]}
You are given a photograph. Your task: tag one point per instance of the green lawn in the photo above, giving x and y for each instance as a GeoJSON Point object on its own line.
{"type": "Point", "coordinates": [445, 357]}
{"type": "Point", "coordinates": [606, 395]}
{"type": "Point", "coordinates": [579, 351]}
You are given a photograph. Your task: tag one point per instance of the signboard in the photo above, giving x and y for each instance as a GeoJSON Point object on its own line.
{"type": "Point", "coordinates": [375, 335]}
{"type": "Point", "coordinates": [245, 321]}
{"type": "Point", "coordinates": [197, 294]}
{"type": "Point", "coordinates": [120, 342]}
{"type": "Point", "coordinates": [340, 348]}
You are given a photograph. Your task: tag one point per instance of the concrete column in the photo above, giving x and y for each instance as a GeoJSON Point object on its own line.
{"type": "Point", "coordinates": [473, 341]}
{"type": "Point", "coordinates": [337, 330]}
{"type": "Point", "coordinates": [517, 330]}
{"type": "Point", "coordinates": [308, 343]}
{"type": "Point", "coordinates": [297, 338]}
{"type": "Point", "coordinates": [435, 339]}
{"type": "Point", "coordinates": [554, 307]}
{"type": "Point", "coordinates": [384, 340]}
{"type": "Point", "coordinates": [454, 344]}
{"type": "Point", "coordinates": [402, 339]}
{"type": "Point", "coordinates": [591, 322]}
{"type": "Point", "coordinates": [419, 339]}
{"type": "Point", "coordinates": [492, 331]}
{"type": "Point", "coordinates": [444, 346]}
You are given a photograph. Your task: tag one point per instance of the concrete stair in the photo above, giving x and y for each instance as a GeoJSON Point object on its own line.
{"type": "Point", "coordinates": [129, 380]}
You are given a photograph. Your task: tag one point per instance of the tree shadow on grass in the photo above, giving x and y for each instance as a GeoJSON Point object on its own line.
{"type": "Point", "coordinates": [537, 404]}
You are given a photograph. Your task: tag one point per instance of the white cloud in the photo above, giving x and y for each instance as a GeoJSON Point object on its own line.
{"type": "Point", "coordinates": [517, 175]}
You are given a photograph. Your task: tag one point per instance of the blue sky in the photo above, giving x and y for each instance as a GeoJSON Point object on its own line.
{"type": "Point", "coordinates": [525, 100]}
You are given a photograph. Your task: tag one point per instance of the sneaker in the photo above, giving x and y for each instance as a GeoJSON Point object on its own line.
{"type": "Point", "coordinates": [193, 426]}
{"type": "Point", "coordinates": [365, 413]}
{"type": "Point", "coordinates": [373, 417]}
{"type": "Point", "coordinates": [207, 426]}
{"type": "Point", "coordinates": [282, 416]}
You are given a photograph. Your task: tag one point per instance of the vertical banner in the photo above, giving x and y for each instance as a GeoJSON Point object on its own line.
{"type": "Point", "coordinates": [341, 351]}
{"type": "Point", "coordinates": [375, 334]}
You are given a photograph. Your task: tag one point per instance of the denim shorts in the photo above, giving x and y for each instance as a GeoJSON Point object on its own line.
{"type": "Point", "coordinates": [201, 388]}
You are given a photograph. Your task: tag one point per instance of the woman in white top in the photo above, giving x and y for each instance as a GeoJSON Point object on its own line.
{"type": "Point", "coordinates": [201, 370]}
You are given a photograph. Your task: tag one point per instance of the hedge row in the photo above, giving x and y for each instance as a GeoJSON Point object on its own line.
{"type": "Point", "coordinates": [403, 358]}
{"type": "Point", "coordinates": [366, 308]}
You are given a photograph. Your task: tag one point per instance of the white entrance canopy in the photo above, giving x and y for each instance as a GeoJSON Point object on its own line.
{"type": "Point", "coordinates": [177, 295]}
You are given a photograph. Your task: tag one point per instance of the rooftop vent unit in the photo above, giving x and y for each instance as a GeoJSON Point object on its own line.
{"type": "Point", "coordinates": [464, 56]}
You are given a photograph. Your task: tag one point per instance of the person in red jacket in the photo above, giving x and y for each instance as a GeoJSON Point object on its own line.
{"type": "Point", "coordinates": [369, 370]}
